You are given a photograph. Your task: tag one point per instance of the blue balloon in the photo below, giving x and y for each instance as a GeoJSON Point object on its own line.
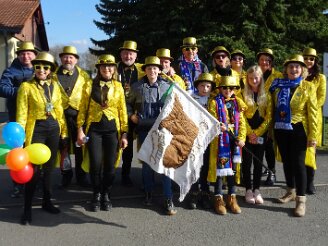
{"type": "Point", "coordinates": [13, 134]}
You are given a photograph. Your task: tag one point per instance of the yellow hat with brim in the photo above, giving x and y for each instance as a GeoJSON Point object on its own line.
{"type": "Point", "coordinates": [310, 52]}
{"type": "Point", "coordinates": [220, 49]}
{"type": "Point", "coordinates": [189, 42]}
{"type": "Point", "coordinates": [129, 45]}
{"type": "Point", "coordinates": [45, 58]}
{"type": "Point", "coordinates": [106, 59]}
{"type": "Point", "coordinates": [265, 51]}
{"type": "Point", "coordinates": [228, 81]}
{"type": "Point", "coordinates": [69, 50]}
{"type": "Point", "coordinates": [152, 61]}
{"type": "Point", "coordinates": [164, 53]}
{"type": "Point", "coordinates": [26, 46]}
{"type": "Point", "coordinates": [296, 58]}
{"type": "Point", "coordinates": [205, 77]}
{"type": "Point", "coordinates": [237, 52]}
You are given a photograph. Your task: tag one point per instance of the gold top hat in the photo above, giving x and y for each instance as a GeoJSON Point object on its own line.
{"type": "Point", "coordinates": [310, 52]}
{"type": "Point", "coordinates": [237, 52]}
{"type": "Point", "coordinates": [265, 51]}
{"type": "Point", "coordinates": [45, 57]}
{"type": "Point", "coordinates": [70, 50]}
{"type": "Point", "coordinates": [106, 59]}
{"type": "Point", "coordinates": [228, 81]}
{"type": "Point", "coordinates": [26, 46]}
{"type": "Point", "coordinates": [218, 49]}
{"type": "Point", "coordinates": [295, 58]}
{"type": "Point", "coordinates": [152, 60]}
{"type": "Point", "coordinates": [189, 42]}
{"type": "Point", "coordinates": [129, 45]}
{"type": "Point", "coordinates": [205, 77]}
{"type": "Point", "coordinates": [164, 53]}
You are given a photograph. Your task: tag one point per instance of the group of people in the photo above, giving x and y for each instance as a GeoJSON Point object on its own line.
{"type": "Point", "coordinates": [98, 119]}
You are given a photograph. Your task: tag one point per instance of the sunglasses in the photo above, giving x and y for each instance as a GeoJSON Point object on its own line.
{"type": "Point", "coordinates": [190, 48]}
{"type": "Point", "coordinates": [220, 56]}
{"type": "Point", "coordinates": [309, 58]}
{"type": "Point", "coordinates": [44, 67]}
{"type": "Point", "coordinates": [229, 87]}
{"type": "Point", "coordinates": [237, 58]}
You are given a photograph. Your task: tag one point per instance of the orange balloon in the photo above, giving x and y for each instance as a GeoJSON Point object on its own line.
{"type": "Point", "coordinates": [17, 159]}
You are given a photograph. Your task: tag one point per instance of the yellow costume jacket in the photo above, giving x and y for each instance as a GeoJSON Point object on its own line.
{"type": "Point", "coordinates": [243, 76]}
{"type": "Point", "coordinates": [91, 111]}
{"type": "Point", "coordinates": [74, 100]}
{"type": "Point", "coordinates": [303, 105]}
{"type": "Point", "coordinates": [267, 116]}
{"type": "Point", "coordinates": [31, 106]}
{"type": "Point", "coordinates": [320, 87]}
{"type": "Point", "coordinates": [214, 144]}
{"type": "Point", "coordinates": [275, 74]}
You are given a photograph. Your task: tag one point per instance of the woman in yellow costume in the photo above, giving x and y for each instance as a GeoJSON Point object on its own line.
{"type": "Point", "coordinates": [40, 112]}
{"type": "Point", "coordinates": [104, 116]}
{"type": "Point", "coordinates": [237, 63]}
{"type": "Point", "coordinates": [319, 80]}
{"type": "Point", "coordinates": [295, 127]}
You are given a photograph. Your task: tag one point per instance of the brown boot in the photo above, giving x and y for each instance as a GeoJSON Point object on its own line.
{"type": "Point", "coordinates": [290, 195]}
{"type": "Point", "coordinates": [233, 204]}
{"type": "Point", "coordinates": [219, 205]}
{"type": "Point", "coordinates": [300, 206]}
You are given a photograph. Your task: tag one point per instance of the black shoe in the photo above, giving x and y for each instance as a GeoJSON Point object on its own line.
{"type": "Point", "coordinates": [148, 199]}
{"type": "Point", "coordinates": [95, 204]}
{"type": "Point", "coordinates": [265, 172]}
{"type": "Point", "coordinates": [67, 176]}
{"type": "Point", "coordinates": [310, 190]}
{"type": "Point", "coordinates": [169, 207]}
{"type": "Point", "coordinates": [192, 200]}
{"type": "Point", "coordinates": [106, 204]}
{"type": "Point", "coordinates": [126, 181]}
{"type": "Point", "coordinates": [49, 207]}
{"type": "Point", "coordinates": [26, 218]}
{"type": "Point", "coordinates": [17, 191]}
{"type": "Point", "coordinates": [271, 179]}
{"type": "Point", "coordinates": [205, 200]}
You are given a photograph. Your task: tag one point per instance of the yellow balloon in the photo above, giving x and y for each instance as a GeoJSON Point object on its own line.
{"type": "Point", "coordinates": [38, 153]}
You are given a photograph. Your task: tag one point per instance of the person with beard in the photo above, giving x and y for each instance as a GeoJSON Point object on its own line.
{"type": "Point", "coordinates": [21, 69]}
{"type": "Point", "coordinates": [129, 72]}
{"type": "Point", "coordinates": [72, 80]}
{"type": "Point", "coordinates": [190, 66]}
{"type": "Point", "coordinates": [168, 73]}
{"type": "Point", "coordinates": [40, 113]}
{"type": "Point", "coordinates": [311, 60]}
{"type": "Point", "coordinates": [265, 59]}
{"type": "Point", "coordinates": [103, 112]}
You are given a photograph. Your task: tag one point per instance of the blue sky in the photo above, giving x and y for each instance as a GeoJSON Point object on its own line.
{"type": "Point", "coordinates": [71, 22]}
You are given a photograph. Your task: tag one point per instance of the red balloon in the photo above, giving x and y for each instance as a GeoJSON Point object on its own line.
{"type": "Point", "coordinates": [17, 159]}
{"type": "Point", "coordinates": [22, 176]}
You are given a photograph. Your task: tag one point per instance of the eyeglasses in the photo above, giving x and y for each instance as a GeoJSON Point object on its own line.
{"type": "Point", "coordinates": [220, 56]}
{"type": "Point", "coordinates": [309, 58]}
{"type": "Point", "coordinates": [190, 48]}
{"type": "Point", "coordinates": [229, 87]}
{"type": "Point", "coordinates": [40, 66]}
{"type": "Point", "coordinates": [237, 58]}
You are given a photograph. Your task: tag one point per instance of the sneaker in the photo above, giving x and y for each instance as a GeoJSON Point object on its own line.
{"type": "Point", "coordinates": [249, 197]}
{"type": "Point", "coordinates": [271, 179]}
{"type": "Point", "coordinates": [258, 197]}
{"type": "Point", "coordinates": [169, 207]}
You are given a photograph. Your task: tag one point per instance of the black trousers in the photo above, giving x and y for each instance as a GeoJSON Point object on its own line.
{"type": "Point", "coordinates": [269, 154]}
{"type": "Point", "coordinates": [72, 133]}
{"type": "Point", "coordinates": [103, 147]}
{"type": "Point", "coordinates": [292, 147]}
{"type": "Point", "coordinates": [46, 132]}
{"type": "Point", "coordinates": [202, 181]}
{"type": "Point", "coordinates": [127, 155]}
{"type": "Point", "coordinates": [248, 160]}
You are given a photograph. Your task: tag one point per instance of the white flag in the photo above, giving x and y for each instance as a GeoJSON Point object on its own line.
{"type": "Point", "coordinates": [178, 139]}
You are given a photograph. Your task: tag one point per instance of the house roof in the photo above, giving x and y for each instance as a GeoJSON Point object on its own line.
{"type": "Point", "coordinates": [14, 13]}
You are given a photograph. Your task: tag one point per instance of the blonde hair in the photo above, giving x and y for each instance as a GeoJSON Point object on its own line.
{"type": "Point", "coordinates": [261, 95]}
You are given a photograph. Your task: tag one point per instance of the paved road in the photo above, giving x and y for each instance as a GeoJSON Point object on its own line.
{"type": "Point", "coordinates": [130, 223]}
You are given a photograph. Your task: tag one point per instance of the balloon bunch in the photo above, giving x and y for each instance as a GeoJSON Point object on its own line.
{"type": "Point", "coordinates": [17, 158]}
